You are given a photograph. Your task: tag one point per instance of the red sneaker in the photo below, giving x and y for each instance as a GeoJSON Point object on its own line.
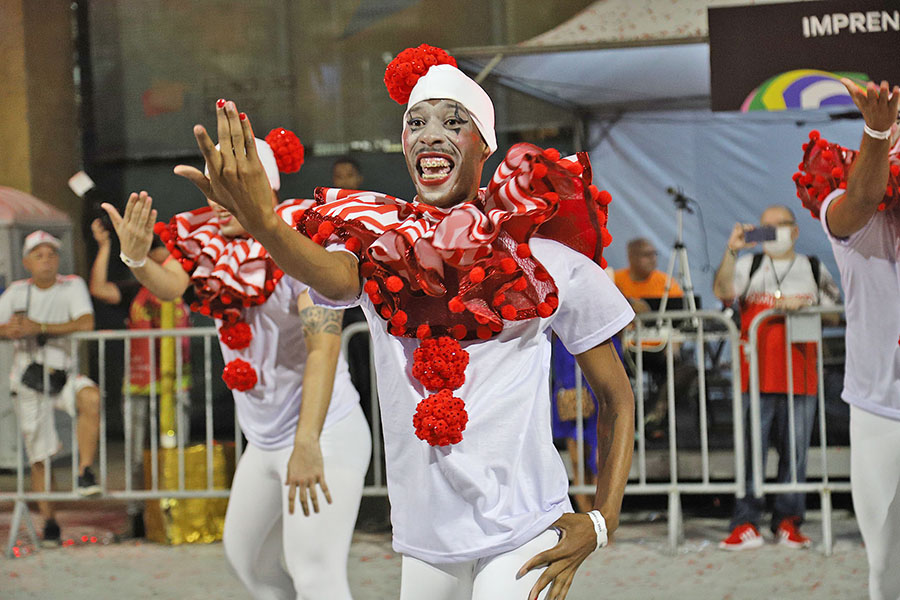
{"type": "Point", "coordinates": [789, 534]}
{"type": "Point", "coordinates": [743, 537]}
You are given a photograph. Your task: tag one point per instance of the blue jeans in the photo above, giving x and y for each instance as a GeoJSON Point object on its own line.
{"type": "Point", "coordinates": [773, 414]}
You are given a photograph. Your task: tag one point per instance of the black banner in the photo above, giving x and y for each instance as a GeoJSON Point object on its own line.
{"type": "Point", "coordinates": [790, 56]}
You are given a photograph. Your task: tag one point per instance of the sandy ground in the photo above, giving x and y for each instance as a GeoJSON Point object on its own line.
{"type": "Point", "coordinates": [638, 566]}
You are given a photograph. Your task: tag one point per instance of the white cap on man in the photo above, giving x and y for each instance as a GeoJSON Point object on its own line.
{"type": "Point", "coordinates": [36, 238]}
{"type": "Point", "coordinates": [267, 158]}
{"type": "Point", "coordinates": [448, 82]}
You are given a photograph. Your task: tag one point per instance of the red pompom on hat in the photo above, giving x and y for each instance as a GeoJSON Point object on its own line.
{"type": "Point", "coordinates": [288, 150]}
{"type": "Point", "coordinates": [404, 71]}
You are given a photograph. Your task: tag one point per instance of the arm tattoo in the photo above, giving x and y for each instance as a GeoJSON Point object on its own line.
{"type": "Point", "coordinates": [607, 440]}
{"type": "Point", "coordinates": [321, 320]}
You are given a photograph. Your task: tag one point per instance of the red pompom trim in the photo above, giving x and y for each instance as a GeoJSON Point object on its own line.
{"type": "Point", "coordinates": [440, 419]}
{"type": "Point", "coordinates": [236, 336]}
{"type": "Point", "coordinates": [239, 375]}
{"type": "Point", "coordinates": [288, 150]}
{"type": "Point", "coordinates": [393, 283]}
{"type": "Point", "coordinates": [509, 312]}
{"type": "Point", "coordinates": [456, 305]}
{"type": "Point", "coordinates": [508, 265]}
{"type": "Point", "coordinates": [404, 71]}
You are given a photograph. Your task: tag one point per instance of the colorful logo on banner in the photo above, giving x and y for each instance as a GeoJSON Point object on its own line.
{"type": "Point", "coordinates": [803, 89]}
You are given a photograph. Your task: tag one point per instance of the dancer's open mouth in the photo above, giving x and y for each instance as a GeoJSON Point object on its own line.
{"type": "Point", "coordinates": [434, 169]}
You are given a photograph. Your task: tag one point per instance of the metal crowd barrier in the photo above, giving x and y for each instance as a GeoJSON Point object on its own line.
{"type": "Point", "coordinates": [21, 516]}
{"type": "Point", "coordinates": [102, 338]}
{"type": "Point", "coordinates": [696, 329]}
{"type": "Point", "coordinates": [702, 328]}
{"type": "Point", "coordinates": [801, 327]}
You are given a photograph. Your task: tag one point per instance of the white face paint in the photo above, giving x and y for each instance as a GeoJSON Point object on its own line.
{"type": "Point", "coordinates": [782, 243]}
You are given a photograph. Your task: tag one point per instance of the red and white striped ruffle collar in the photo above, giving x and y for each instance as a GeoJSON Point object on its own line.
{"type": "Point", "coordinates": [227, 273]}
{"type": "Point", "coordinates": [469, 267]}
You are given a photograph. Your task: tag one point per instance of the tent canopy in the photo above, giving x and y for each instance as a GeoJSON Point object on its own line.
{"type": "Point", "coordinates": [18, 207]}
{"type": "Point", "coordinates": [600, 80]}
{"type": "Point", "coordinates": [613, 55]}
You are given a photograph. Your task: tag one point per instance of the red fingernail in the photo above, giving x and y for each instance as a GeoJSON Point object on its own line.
{"type": "Point", "coordinates": [220, 103]}
{"type": "Point", "coordinates": [243, 116]}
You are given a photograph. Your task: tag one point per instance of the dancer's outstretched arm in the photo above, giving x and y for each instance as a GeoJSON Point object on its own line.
{"type": "Point", "coordinates": [865, 183]}
{"type": "Point", "coordinates": [238, 182]}
{"type": "Point", "coordinates": [166, 281]}
{"type": "Point", "coordinates": [322, 332]}
{"type": "Point", "coordinates": [615, 443]}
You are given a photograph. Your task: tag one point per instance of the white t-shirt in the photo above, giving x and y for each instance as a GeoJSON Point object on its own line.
{"type": "Point", "coordinates": [793, 276]}
{"type": "Point", "coordinates": [64, 301]}
{"type": "Point", "coordinates": [504, 483]}
{"type": "Point", "coordinates": [268, 413]}
{"type": "Point", "coordinates": [869, 262]}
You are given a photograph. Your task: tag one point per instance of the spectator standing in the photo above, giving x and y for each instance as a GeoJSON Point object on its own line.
{"type": "Point", "coordinates": [777, 278]}
{"type": "Point", "coordinates": [36, 312]}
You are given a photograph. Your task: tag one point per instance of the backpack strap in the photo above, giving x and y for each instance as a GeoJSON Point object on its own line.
{"type": "Point", "coordinates": [754, 267]}
{"type": "Point", "coordinates": [816, 266]}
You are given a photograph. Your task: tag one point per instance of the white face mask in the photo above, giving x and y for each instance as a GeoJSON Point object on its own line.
{"type": "Point", "coordinates": [782, 242]}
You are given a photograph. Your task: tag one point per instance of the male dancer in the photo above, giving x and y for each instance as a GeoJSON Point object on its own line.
{"type": "Point", "coordinates": [857, 198]}
{"type": "Point", "coordinates": [460, 298]}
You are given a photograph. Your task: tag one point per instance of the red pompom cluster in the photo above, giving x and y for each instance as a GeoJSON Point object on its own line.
{"type": "Point", "coordinates": [440, 419]}
{"type": "Point", "coordinates": [440, 363]}
{"type": "Point", "coordinates": [236, 335]}
{"type": "Point", "coordinates": [404, 71]}
{"type": "Point", "coordinates": [825, 168]}
{"type": "Point", "coordinates": [239, 375]}
{"type": "Point", "coordinates": [287, 148]}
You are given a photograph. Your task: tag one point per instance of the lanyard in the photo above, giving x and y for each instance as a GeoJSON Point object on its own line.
{"type": "Point", "coordinates": [778, 293]}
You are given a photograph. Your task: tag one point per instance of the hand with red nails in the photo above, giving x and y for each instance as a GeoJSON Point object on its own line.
{"type": "Point", "coordinates": [236, 179]}
{"type": "Point", "coordinates": [577, 541]}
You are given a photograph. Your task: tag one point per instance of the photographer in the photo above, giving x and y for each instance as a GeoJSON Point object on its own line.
{"type": "Point", "coordinates": [776, 278]}
{"type": "Point", "coordinates": [35, 312]}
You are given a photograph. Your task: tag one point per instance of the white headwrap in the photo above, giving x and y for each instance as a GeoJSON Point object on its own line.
{"type": "Point", "coordinates": [267, 158]}
{"type": "Point", "coordinates": [446, 82]}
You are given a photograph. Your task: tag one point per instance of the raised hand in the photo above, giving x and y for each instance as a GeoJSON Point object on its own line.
{"type": "Point", "coordinates": [578, 540]}
{"type": "Point", "coordinates": [736, 241]}
{"type": "Point", "coordinates": [305, 470]}
{"type": "Point", "coordinates": [877, 103]}
{"type": "Point", "coordinates": [135, 228]}
{"type": "Point", "coordinates": [236, 180]}
{"type": "Point", "coordinates": [101, 235]}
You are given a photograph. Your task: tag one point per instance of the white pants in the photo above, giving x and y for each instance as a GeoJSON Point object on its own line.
{"type": "Point", "coordinates": [875, 480]}
{"type": "Point", "coordinates": [35, 412]}
{"type": "Point", "coordinates": [492, 578]}
{"type": "Point", "coordinates": [281, 556]}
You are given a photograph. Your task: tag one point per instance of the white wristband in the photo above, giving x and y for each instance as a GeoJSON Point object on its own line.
{"type": "Point", "coordinates": [599, 528]}
{"type": "Point", "coordinates": [878, 135]}
{"type": "Point", "coordinates": [130, 262]}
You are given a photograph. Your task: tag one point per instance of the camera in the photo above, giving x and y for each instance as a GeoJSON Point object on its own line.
{"type": "Point", "coordinates": [760, 234]}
